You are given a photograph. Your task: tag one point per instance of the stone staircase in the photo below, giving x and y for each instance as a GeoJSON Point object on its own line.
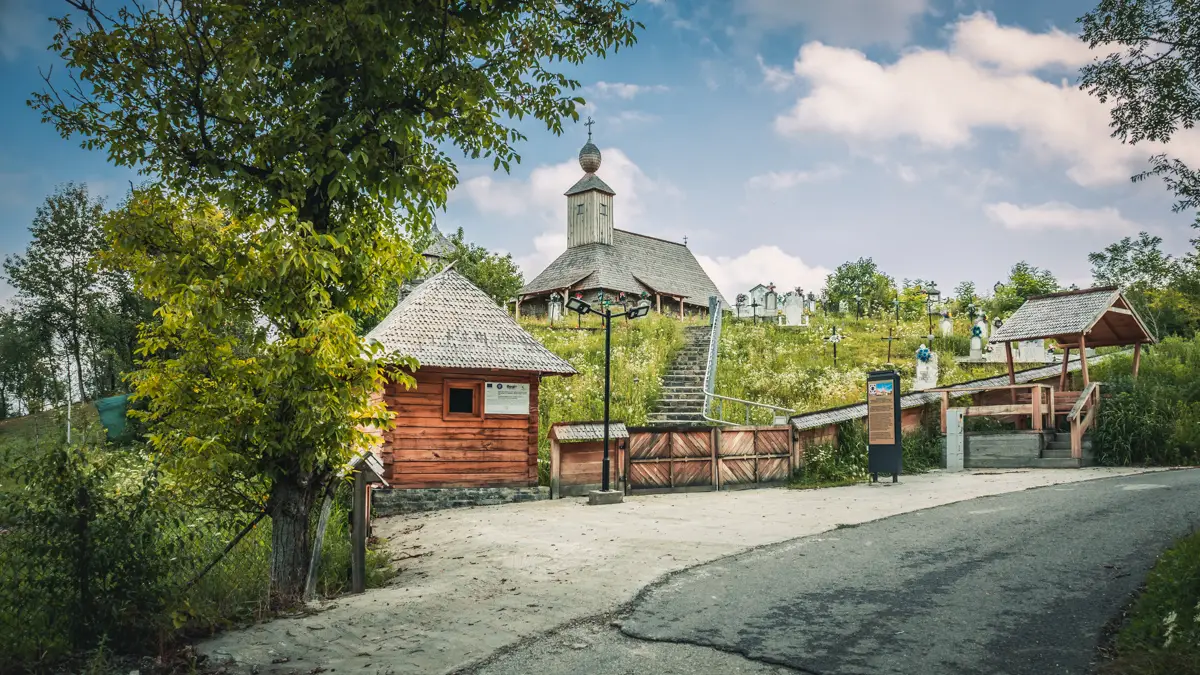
{"type": "Point", "coordinates": [682, 399]}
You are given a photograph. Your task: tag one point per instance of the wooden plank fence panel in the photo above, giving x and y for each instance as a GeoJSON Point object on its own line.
{"type": "Point", "coordinates": [737, 472]}
{"type": "Point", "coordinates": [692, 474]}
{"type": "Point", "coordinates": [649, 476]}
{"type": "Point", "coordinates": [735, 443]}
{"type": "Point", "coordinates": [773, 469]}
{"type": "Point", "coordinates": [774, 442]}
{"type": "Point", "coordinates": [682, 458]}
{"type": "Point", "coordinates": [649, 445]}
{"type": "Point", "coordinates": [691, 444]}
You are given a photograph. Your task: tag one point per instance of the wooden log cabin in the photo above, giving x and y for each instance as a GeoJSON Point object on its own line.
{"type": "Point", "coordinates": [468, 431]}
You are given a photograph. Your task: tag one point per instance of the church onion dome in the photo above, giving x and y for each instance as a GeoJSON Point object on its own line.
{"type": "Point", "coordinates": [589, 158]}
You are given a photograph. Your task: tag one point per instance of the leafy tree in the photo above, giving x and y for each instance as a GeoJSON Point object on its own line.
{"type": "Point", "coordinates": [1132, 263]}
{"type": "Point", "coordinates": [497, 275]}
{"type": "Point", "coordinates": [293, 142]}
{"type": "Point", "coordinates": [55, 277]}
{"type": "Point", "coordinates": [913, 300]}
{"type": "Point", "coordinates": [860, 279]}
{"type": "Point", "coordinates": [965, 296]}
{"type": "Point", "coordinates": [1151, 77]}
{"type": "Point", "coordinates": [1024, 280]}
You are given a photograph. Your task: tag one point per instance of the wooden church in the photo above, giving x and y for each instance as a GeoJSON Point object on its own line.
{"type": "Point", "coordinates": [601, 259]}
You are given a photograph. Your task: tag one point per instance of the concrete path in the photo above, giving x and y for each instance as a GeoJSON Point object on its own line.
{"type": "Point", "coordinates": [1013, 584]}
{"type": "Point", "coordinates": [473, 581]}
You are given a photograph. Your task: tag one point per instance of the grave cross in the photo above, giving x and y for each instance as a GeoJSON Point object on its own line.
{"type": "Point", "coordinates": [890, 339]}
{"type": "Point", "coordinates": [833, 339]}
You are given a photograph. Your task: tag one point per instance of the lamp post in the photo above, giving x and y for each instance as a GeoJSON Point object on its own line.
{"type": "Point", "coordinates": [579, 306]}
{"type": "Point", "coordinates": [932, 297]}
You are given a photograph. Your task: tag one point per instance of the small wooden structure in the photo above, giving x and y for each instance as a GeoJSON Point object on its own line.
{"type": "Point", "coordinates": [576, 457]}
{"type": "Point", "coordinates": [472, 420]}
{"type": "Point", "coordinates": [1074, 320]}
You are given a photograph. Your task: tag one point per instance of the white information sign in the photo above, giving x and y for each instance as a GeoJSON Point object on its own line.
{"type": "Point", "coordinates": [506, 398]}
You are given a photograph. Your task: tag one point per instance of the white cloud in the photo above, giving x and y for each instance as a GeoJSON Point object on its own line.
{"type": "Point", "coordinates": [1058, 216]}
{"type": "Point", "coordinates": [783, 180]}
{"type": "Point", "coordinates": [850, 22]}
{"type": "Point", "coordinates": [628, 117]}
{"type": "Point", "coordinates": [546, 247]}
{"type": "Point", "coordinates": [541, 194]}
{"type": "Point", "coordinates": [774, 77]}
{"type": "Point", "coordinates": [624, 90]}
{"type": "Point", "coordinates": [943, 98]}
{"type": "Point", "coordinates": [761, 265]}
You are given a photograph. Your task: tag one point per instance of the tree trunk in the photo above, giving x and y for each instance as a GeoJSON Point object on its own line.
{"type": "Point", "coordinates": [290, 504]}
{"type": "Point", "coordinates": [75, 347]}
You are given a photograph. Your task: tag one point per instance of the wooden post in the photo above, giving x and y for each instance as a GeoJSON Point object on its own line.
{"type": "Point", "coordinates": [945, 407]}
{"type": "Point", "coordinates": [1083, 361]}
{"type": "Point", "coordinates": [1036, 401]}
{"type": "Point", "coordinates": [1137, 359]}
{"type": "Point", "coordinates": [555, 470]}
{"type": "Point", "coordinates": [1053, 415]}
{"type": "Point", "coordinates": [1012, 380]}
{"type": "Point", "coordinates": [658, 303]}
{"type": "Point", "coordinates": [358, 535]}
{"type": "Point", "coordinates": [716, 457]}
{"type": "Point", "coordinates": [681, 308]}
{"type": "Point", "coordinates": [1062, 379]}
{"type": "Point", "coordinates": [517, 308]}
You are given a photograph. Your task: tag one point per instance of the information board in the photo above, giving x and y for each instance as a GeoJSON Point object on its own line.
{"type": "Point", "coordinates": [506, 398]}
{"type": "Point", "coordinates": [881, 413]}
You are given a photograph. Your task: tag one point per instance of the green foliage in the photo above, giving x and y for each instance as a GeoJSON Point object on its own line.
{"type": "Point", "coordinates": [862, 281]}
{"type": "Point", "coordinates": [642, 350]}
{"type": "Point", "coordinates": [83, 562]}
{"type": "Point", "coordinates": [845, 461]}
{"type": "Point", "coordinates": [922, 449]}
{"type": "Point", "coordinates": [497, 275]}
{"type": "Point", "coordinates": [1024, 280]}
{"type": "Point", "coordinates": [1164, 290]}
{"type": "Point", "coordinates": [965, 297]}
{"type": "Point", "coordinates": [1149, 78]}
{"type": "Point", "coordinates": [1166, 617]}
{"type": "Point", "coordinates": [1153, 420]}
{"type": "Point", "coordinates": [292, 144]}
{"type": "Point", "coordinates": [793, 367]}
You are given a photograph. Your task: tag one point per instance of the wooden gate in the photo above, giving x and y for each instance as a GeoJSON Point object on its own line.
{"type": "Point", "coordinates": [685, 459]}
{"type": "Point", "coordinates": [670, 459]}
{"type": "Point", "coordinates": [749, 456]}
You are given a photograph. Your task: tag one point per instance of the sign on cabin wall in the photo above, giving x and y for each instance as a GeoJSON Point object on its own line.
{"type": "Point", "coordinates": [506, 398]}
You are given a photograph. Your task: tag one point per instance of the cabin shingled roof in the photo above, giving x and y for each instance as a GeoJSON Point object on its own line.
{"type": "Point", "coordinates": [582, 432]}
{"type": "Point", "coordinates": [448, 322]}
{"type": "Point", "coordinates": [589, 182]}
{"type": "Point", "coordinates": [632, 263]}
{"type": "Point", "coordinates": [1060, 314]}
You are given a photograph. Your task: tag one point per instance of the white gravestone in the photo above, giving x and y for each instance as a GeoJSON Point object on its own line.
{"type": "Point", "coordinates": [555, 310]}
{"type": "Point", "coordinates": [976, 346]}
{"type": "Point", "coordinates": [793, 311]}
{"type": "Point", "coordinates": [1032, 351]}
{"type": "Point", "coordinates": [927, 369]}
{"type": "Point", "coordinates": [947, 327]}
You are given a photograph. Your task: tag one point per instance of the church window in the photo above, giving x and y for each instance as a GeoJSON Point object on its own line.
{"type": "Point", "coordinates": [579, 210]}
{"type": "Point", "coordinates": [604, 209]}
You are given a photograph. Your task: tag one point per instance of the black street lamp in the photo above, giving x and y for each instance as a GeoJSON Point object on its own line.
{"type": "Point", "coordinates": [932, 297]}
{"type": "Point", "coordinates": [579, 306]}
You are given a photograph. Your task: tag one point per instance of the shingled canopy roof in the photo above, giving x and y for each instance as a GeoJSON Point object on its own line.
{"type": "Point", "coordinates": [633, 263]}
{"type": "Point", "coordinates": [441, 246]}
{"type": "Point", "coordinates": [1102, 315]}
{"type": "Point", "coordinates": [448, 322]}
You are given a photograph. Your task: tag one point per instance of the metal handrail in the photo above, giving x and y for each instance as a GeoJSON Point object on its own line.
{"type": "Point", "coordinates": [710, 371]}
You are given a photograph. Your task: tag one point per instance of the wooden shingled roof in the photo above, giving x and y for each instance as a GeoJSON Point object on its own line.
{"type": "Point", "coordinates": [1102, 315]}
{"type": "Point", "coordinates": [448, 322]}
{"type": "Point", "coordinates": [581, 432]}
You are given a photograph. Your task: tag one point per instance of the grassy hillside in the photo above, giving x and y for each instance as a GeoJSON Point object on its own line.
{"type": "Point", "coordinates": [793, 367]}
{"type": "Point", "coordinates": [641, 352]}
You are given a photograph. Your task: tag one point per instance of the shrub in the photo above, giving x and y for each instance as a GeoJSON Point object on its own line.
{"type": "Point", "coordinates": [1133, 427]}
{"type": "Point", "coordinates": [846, 460]}
{"type": "Point", "coordinates": [1166, 616]}
{"type": "Point", "coordinates": [82, 564]}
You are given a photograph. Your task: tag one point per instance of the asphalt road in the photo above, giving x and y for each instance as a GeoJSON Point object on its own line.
{"type": "Point", "coordinates": [1015, 584]}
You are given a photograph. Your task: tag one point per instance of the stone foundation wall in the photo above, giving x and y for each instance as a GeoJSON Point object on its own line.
{"type": "Point", "coordinates": [388, 502]}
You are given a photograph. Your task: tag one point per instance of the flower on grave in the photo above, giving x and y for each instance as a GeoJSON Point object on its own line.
{"type": "Point", "coordinates": [923, 354]}
{"type": "Point", "coordinates": [977, 331]}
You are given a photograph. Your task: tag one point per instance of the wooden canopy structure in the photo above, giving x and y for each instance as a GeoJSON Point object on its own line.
{"type": "Point", "coordinates": [1092, 317]}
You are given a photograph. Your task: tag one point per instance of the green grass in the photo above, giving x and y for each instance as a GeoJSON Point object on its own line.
{"type": "Point", "coordinates": [793, 367]}
{"type": "Point", "coordinates": [1161, 635]}
{"type": "Point", "coordinates": [641, 352]}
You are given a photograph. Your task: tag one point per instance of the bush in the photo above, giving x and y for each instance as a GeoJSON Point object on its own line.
{"type": "Point", "coordinates": [82, 564]}
{"type": "Point", "coordinates": [1133, 427]}
{"type": "Point", "coordinates": [1166, 617]}
{"type": "Point", "coordinates": [846, 460]}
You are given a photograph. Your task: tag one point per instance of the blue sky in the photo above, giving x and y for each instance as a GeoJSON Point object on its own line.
{"type": "Point", "coordinates": [945, 139]}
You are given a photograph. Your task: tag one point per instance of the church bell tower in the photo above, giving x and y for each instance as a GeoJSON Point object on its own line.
{"type": "Point", "coordinates": [589, 201]}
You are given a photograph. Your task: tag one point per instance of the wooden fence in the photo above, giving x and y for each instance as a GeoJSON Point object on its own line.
{"type": "Point", "coordinates": [686, 459]}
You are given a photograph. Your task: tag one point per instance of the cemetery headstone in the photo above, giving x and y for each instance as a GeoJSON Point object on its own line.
{"type": "Point", "coordinates": [1032, 351]}
{"type": "Point", "coordinates": [927, 369]}
{"type": "Point", "coordinates": [977, 342]}
{"type": "Point", "coordinates": [947, 326]}
{"type": "Point", "coordinates": [843, 307]}
{"type": "Point", "coordinates": [793, 311]}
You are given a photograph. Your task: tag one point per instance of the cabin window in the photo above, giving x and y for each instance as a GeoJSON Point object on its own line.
{"type": "Point", "coordinates": [579, 210]}
{"type": "Point", "coordinates": [604, 209]}
{"type": "Point", "coordinates": [462, 399]}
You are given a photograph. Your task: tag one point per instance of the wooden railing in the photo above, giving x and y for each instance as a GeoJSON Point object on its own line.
{"type": "Point", "coordinates": [1082, 416]}
{"type": "Point", "coordinates": [1037, 404]}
